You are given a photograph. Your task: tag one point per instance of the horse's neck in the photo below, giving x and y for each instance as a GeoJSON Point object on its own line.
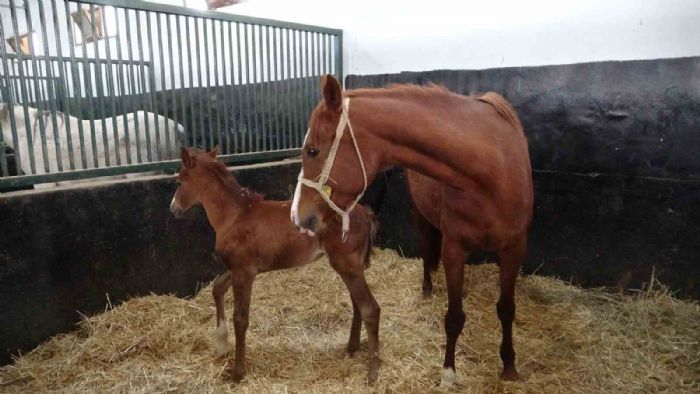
{"type": "Point", "coordinates": [430, 147]}
{"type": "Point", "coordinates": [221, 203]}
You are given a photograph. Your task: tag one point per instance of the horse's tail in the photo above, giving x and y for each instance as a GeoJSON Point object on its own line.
{"type": "Point", "coordinates": [373, 226]}
{"type": "Point", "coordinates": [503, 108]}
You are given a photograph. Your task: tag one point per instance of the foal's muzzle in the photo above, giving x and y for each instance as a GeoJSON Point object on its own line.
{"type": "Point", "coordinates": [176, 211]}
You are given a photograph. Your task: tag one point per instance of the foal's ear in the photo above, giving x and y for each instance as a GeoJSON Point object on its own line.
{"type": "Point", "coordinates": [332, 92]}
{"type": "Point", "coordinates": [213, 152]}
{"type": "Point", "coordinates": [186, 158]}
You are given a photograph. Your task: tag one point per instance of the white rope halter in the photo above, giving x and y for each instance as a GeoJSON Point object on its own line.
{"type": "Point", "coordinates": [320, 186]}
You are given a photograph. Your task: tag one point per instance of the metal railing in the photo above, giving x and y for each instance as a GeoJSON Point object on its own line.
{"type": "Point", "coordinates": [108, 87]}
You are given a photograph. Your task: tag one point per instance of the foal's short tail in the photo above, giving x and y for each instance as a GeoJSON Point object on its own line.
{"type": "Point", "coordinates": [373, 224]}
{"type": "Point", "coordinates": [503, 108]}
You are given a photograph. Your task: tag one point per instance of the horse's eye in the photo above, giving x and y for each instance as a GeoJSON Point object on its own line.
{"type": "Point", "coordinates": [312, 152]}
{"type": "Point", "coordinates": [177, 182]}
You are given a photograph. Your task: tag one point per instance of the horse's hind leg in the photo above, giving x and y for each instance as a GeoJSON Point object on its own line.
{"type": "Point", "coordinates": [351, 270]}
{"type": "Point", "coordinates": [430, 242]}
{"type": "Point", "coordinates": [242, 289]}
{"type": "Point", "coordinates": [511, 259]}
{"type": "Point", "coordinates": [354, 341]}
{"type": "Point", "coordinates": [221, 285]}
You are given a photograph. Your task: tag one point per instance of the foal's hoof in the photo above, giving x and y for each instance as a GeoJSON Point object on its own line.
{"type": "Point", "coordinates": [427, 292]}
{"type": "Point", "coordinates": [373, 373]}
{"type": "Point", "coordinates": [447, 378]}
{"type": "Point", "coordinates": [222, 350]}
{"type": "Point", "coordinates": [510, 375]}
{"type": "Point", "coordinates": [351, 349]}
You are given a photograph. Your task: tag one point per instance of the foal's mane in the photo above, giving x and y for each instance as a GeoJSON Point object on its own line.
{"type": "Point", "coordinates": [243, 194]}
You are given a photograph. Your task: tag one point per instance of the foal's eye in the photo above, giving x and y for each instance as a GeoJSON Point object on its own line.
{"type": "Point", "coordinates": [312, 152]}
{"type": "Point", "coordinates": [177, 182]}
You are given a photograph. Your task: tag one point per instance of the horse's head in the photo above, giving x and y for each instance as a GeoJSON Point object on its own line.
{"type": "Point", "coordinates": [334, 175]}
{"type": "Point", "coordinates": [188, 187]}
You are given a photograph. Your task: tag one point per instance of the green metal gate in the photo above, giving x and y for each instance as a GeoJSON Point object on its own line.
{"type": "Point", "coordinates": [106, 87]}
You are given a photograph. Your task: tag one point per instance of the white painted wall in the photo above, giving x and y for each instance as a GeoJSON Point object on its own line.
{"type": "Point", "coordinates": [386, 36]}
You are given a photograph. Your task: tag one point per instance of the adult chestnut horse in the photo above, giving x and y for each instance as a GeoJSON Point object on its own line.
{"type": "Point", "coordinates": [474, 147]}
{"type": "Point", "coordinates": [255, 236]}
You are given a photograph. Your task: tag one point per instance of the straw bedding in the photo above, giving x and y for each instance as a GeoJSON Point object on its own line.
{"type": "Point", "coordinates": [567, 339]}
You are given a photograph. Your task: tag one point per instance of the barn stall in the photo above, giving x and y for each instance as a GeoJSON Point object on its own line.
{"type": "Point", "coordinates": [116, 242]}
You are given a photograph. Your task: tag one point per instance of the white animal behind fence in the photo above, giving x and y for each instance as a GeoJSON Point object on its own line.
{"type": "Point", "coordinates": [163, 148]}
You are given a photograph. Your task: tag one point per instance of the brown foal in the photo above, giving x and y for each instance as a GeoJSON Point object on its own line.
{"type": "Point", "coordinates": [475, 187]}
{"type": "Point", "coordinates": [254, 235]}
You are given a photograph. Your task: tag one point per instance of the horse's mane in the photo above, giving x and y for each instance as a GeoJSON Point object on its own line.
{"type": "Point", "coordinates": [244, 195]}
{"type": "Point", "coordinates": [503, 108]}
{"type": "Point", "coordinates": [400, 89]}
{"type": "Point", "coordinates": [432, 90]}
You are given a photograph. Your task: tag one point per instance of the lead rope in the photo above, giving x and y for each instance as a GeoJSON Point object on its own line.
{"type": "Point", "coordinates": [328, 166]}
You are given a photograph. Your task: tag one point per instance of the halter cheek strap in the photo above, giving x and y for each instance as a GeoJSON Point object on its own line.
{"type": "Point", "coordinates": [320, 185]}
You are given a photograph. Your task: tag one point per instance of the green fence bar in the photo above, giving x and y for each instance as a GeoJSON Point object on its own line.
{"type": "Point", "coordinates": [109, 87]}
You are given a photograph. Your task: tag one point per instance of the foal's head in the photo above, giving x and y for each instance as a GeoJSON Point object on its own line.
{"type": "Point", "coordinates": [190, 179]}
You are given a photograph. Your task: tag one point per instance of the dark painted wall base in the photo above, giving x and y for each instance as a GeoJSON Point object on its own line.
{"type": "Point", "coordinates": [63, 251]}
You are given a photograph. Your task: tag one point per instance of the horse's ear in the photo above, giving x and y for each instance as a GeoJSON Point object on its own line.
{"type": "Point", "coordinates": [332, 92]}
{"type": "Point", "coordinates": [186, 158]}
{"type": "Point", "coordinates": [213, 152]}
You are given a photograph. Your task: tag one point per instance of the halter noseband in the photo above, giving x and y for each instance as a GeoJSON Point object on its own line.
{"type": "Point", "coordinates": [320, 186]}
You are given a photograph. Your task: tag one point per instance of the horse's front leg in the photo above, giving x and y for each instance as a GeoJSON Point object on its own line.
{"type": "Point", "coordinates": [221, 285]}
{"type": "Point", "coordinates": [242, 289]}
{"type": "Point", "coordinates": [354, 341]}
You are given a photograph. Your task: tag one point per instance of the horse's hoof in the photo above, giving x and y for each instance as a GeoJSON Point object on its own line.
{"type": "Point", "coordinates": [372, 376]}
{"type": "Point", "coordinates": [510, 375]}
{"type": "Point", "coordinates": [236, 374]}
{"type": "Point", "coordinates": [447, 378]}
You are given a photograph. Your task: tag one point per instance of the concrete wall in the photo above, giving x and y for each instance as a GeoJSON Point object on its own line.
{"type": "Point", "coordinates": [64, 251]}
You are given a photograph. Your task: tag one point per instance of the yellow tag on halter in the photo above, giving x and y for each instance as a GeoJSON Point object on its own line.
{"type": "Point", "coordinates": [327, 190]}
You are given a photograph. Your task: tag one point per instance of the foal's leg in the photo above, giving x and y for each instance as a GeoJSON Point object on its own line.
{"type": "Point", "coordinates": [453, 259]}
{"type": "Point", "coordinates": [351, 270]}
{"type": "Point", "coordinates": [221, 285]}
{"type": "Point", "coordinates": [242, 289]}
{"type": "Point", "coordinates": [354, 341]}
{"type": "Point", "coordinates": [430, 240]}
{"type": "Point", "coordinates": [510, 261]}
